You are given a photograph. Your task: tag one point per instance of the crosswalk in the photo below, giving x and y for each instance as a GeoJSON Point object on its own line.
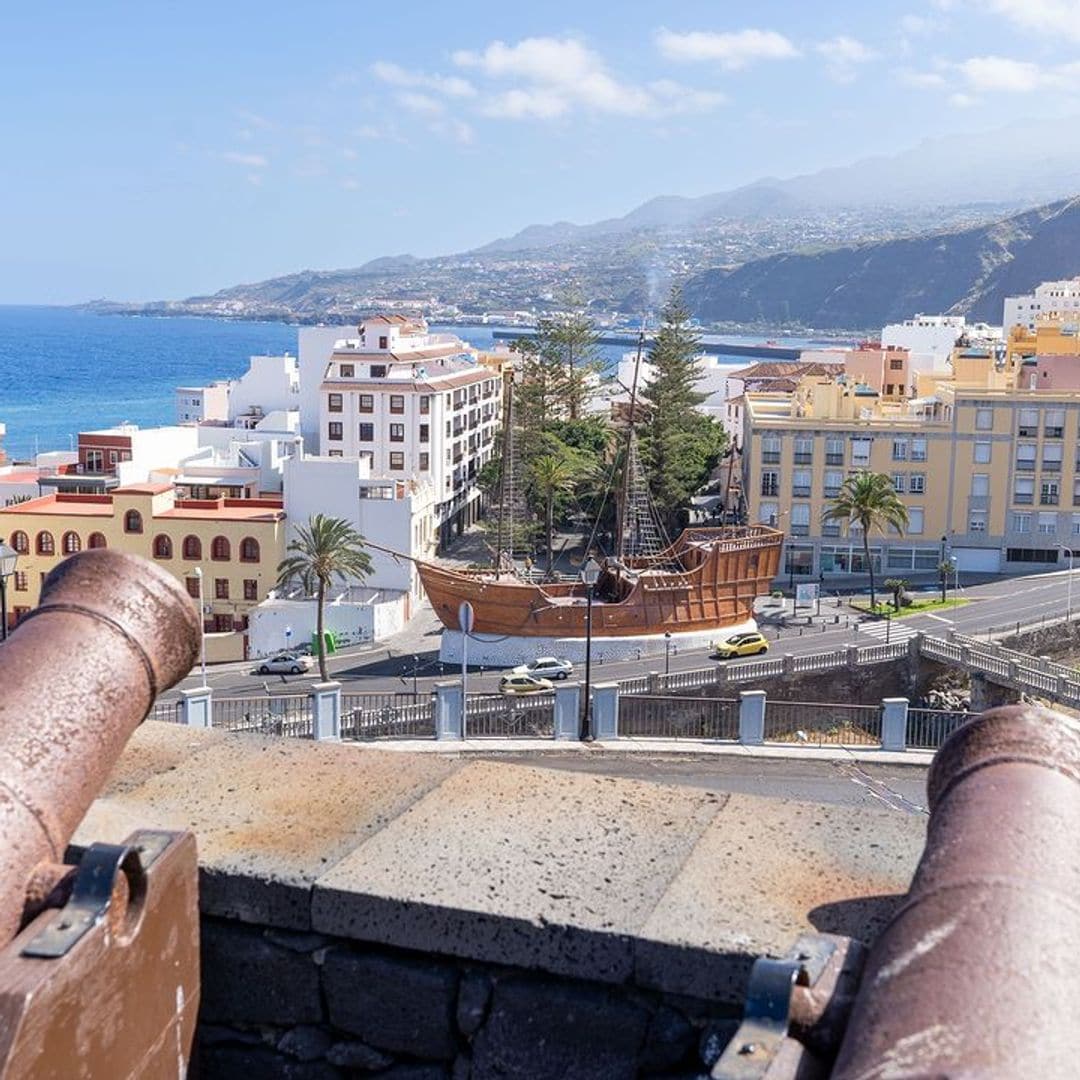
{"type": "Point", "coordinates": [893, 630]}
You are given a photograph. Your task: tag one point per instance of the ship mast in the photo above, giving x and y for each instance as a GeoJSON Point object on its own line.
{"type": "Point", "coordinates": [505, 480]}
{"type": "Point", "coordinates": [628, 453]}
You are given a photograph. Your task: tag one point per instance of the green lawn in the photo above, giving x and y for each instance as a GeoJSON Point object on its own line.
{"type": "Point", "coordinates": [918, 607]}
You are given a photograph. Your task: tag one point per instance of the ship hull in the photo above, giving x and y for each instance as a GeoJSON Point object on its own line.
{"type": "Point", "coordinates": [723, 572]}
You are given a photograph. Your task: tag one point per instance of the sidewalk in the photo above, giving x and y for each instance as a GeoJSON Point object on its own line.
{"type": "Point", "coordinates": [686, 747]}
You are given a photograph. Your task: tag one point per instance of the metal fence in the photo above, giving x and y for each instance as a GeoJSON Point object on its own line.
{"type": "Point", "coordinates": [282, 715]}
{"type": "Point", "coordinates": [820, 723]}
{"type": "Point", "coordinates": [166, 711]}
{"type": "Point", "coordinates": [504, 715]}
{"type": "Point", "coordinates": [927, 729]}
{"type": "Point", "coordinates": [387, 716]}
{"type": "Point", "coordinates": [679, 717]}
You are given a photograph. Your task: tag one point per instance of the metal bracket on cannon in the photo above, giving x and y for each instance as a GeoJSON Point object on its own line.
{"type": "Point", "coordinates": [795, 1013]}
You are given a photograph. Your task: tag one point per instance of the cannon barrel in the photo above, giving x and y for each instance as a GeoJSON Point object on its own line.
{"type": "Point", "coordinates": [77, 676]}
{"type": "Point", "coordinates": [976, 973]}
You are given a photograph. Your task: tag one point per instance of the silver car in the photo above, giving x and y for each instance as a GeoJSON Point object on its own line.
{"type": "Point", "coordinates": [285, 664]}
{"type": "Point", "coordinates": [545, 667]}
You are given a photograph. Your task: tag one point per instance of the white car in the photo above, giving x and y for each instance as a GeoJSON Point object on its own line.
{"type": "Point", "coordinates": [545, 667]}
{"type": "Point", "coordinates": [285, 664]}
{"type": "Point", "coordinates": [523, 684]}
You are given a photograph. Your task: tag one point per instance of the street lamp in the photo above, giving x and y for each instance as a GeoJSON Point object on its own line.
{"type": "Point", "coordinates": [202, 623]}
{"type": "Point", "coordinates": [9, 559]}
{"type": "Point", "coordinates": [590, 575]}
{"type": "Point", "coordinates": [1068, 590]}
{"type": "Point", "coordinates": [667, 651]}
{"type": "Point", "coordinates": [943, 568]}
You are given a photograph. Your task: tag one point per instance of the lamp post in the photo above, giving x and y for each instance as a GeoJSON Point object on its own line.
{"type": "Point", "coordinates": [415, 668]}
{"type": "Point", "coordinates": [9, 559]}
{"type": "Point", "coordinates": [942, 570]}
{"type": "Point", "coordinates": [590, 575]}
{"type": "Point", "coordinates": [1068, 589]}
{"type": "Point", "coordinates": [667, 652]}
{"type": "Point", "coordinates": [202, 624]}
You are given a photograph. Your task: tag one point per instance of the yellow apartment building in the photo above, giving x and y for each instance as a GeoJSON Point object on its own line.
{"type": "Point", "coordinates": [237, 543]}
{"type": "Point", "coordinates": [989, 472]}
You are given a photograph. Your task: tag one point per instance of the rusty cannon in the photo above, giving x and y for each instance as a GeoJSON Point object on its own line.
{"type": "Point", "coordinates": [99, 956]}
{"type": "Point", "coordinates": [973, 976]}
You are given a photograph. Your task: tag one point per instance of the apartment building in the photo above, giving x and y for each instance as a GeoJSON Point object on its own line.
{"type": "Point", "coordinates": [238, 544]}
{"type": "Point", "coordinates": [1051, 299]}
{"type": "Point", "coordinates": [413, 405]}
{"type": "Point", "coordinates": [989, 471]}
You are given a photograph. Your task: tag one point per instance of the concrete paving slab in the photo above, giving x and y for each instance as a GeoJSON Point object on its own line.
{"type": "Point", "coordinates": [270, 815]}
{"type": "Point", "coordinates": [764, 871]}
{"type": "Point", "coordinates": [547, 870]}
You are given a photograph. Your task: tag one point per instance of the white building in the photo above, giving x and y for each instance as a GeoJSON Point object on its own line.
{"type": "Point", "coordinates": [197, 404]}
{"type": "Point", "coordinates": [929, 339]}
{"type": "Point", "coordinates": [316, 347]}
{"type": "Point", "coordinates": [270, 384]}
{"type": "Point", "coordinates": [413, 404]}
{"type": "Point", "coordinates": [1060, 299]}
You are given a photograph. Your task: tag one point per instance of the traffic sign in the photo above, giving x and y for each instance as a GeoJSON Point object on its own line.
{"type": "Point", "coordinates": [465, 617]}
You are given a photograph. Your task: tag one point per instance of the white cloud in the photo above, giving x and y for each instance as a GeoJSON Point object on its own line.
{"type": "Point", "coordinates": [252, 161]}
{"type": "Point", "coordinates": [919, 25]}
{"type": "Point", "coordinates": [449, 85]}
{"type": "Point", "coordinates": [453, 129]}
{"type": "Point", "coordinates": [963, 101]}
{"type": "Point", "coordinates": [922, 80]}
{"type": "Point", "coordinates": [1060, 18]}
{"type": "Point", "coordinates": [421, 103]}
{"type": "Point", "coordinates": [552, 77]}
{"type": "Point", "coordinates": [733, 50]}
{"type": "Point", "coordinates": [843, 55]}
{"type": "Point", "coordinates": [999, 73]}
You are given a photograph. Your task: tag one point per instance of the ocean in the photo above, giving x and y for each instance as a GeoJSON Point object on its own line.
{"type": "Point", "coordinates": [65, 371]}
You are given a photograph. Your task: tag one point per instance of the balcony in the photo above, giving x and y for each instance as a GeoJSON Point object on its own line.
{"type": "Point", "coordinates": [1025, 466]}
{"type": "Point", "coordinates": [771, 490]}
{"type": "Point", "coordinates": [835, 459]}
{"type": "Point", "coordinates": [1026, 499]}
{"type": "Point", "coordinates": [830, 529]}
{"type": "Point", "coordinates": [803, 459]}
{"type": "Point", "coordinates": [1051, 466]}
{"type": "Point", "coordinates": [1054, 433]}
{"type": "Point", "coordinates": [831, 492]}
{"type": "Point", "coordinates": [770, 457]}
{"type": "Point", "coordinates": [800, 530]}
{"type": "Point", "coordinates": [800, 492]}
{"type": "Point", "coordinates": [1026, 432]}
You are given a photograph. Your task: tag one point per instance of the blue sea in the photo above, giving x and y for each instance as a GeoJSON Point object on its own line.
{"type": "Point", "coordinates": [65, 371]}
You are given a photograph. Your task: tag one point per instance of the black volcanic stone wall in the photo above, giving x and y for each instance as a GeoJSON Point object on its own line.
{"type": "Point", "coordinates": [298, 1006]}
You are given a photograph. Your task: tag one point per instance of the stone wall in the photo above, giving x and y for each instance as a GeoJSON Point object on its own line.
{"type": "Point", "coordinates": [303, 1006]}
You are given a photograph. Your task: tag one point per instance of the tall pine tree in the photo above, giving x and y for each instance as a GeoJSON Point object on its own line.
{"type": "Point", "coordinates": [680, 446]}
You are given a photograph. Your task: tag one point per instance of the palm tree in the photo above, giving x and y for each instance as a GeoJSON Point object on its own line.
{"type": "Point", "coordinates": [868, 501]}
{"type": "Point", "coordinates": [552, 476]}
{"type": "Point", "coordinates": [325, 549]}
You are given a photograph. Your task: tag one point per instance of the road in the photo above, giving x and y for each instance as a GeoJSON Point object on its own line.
{"type": "Point", "coordinates": [389, 667]}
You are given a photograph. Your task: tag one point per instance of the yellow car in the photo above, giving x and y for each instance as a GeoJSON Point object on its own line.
{"type": "Point", "coordinates": [740, 645]}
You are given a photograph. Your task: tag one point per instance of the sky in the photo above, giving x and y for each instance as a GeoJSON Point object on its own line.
{"type": "Point", "coordinates": [157, 151]}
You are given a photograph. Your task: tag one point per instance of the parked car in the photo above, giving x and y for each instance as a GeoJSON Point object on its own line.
{"type": "Point", "coordinates": [285, 664]}
{"type": "Point", "coordinates": [740, 645]}
{"type": "Point", "coordinates": [523, 684]}
{"type": "Point", "coordinates": [545, 667]}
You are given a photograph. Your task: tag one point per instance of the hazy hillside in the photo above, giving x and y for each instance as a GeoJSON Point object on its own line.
{"type": "Point", "coordinates": [969, 271]}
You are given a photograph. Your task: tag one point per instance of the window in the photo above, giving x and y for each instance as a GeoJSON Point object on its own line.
{"type": "Point", "coordinates": [397, 460]}
{"type": "Point", "coordinates": [980, 484]}
{"type": "Point", "coordinates": [367, 432]}
{"type": "Point", "coordinates": [95, 461]}
{"type": "Point", "coordinates": [384, 342]}
{"type": "Point", "coordinates": [1029, 423]}
{"type": "Point", "coordinates": [334, 430]}
{"type": "Point", "coordinates": [917, 483]}
{"type": "Point", "coordinates": [1054, 423]}
{"type": "Point", "coordinates": [251, 589]}
{"type": "Point", "coordinates": [221, 588]}
{"type": "Point", "coordinates": [366, 403]}
{"type": "Point", "coordinates": [378, 371]}
{"type": "Point", "coordinates": [770, 513]}
{"type": "Point", "coordinates": [770, 450]}
{"type": "Point", "coordinates": [223, 624]}
{"type": "Point", "coordinates": [335, 453]}
{"type": "Point", "coordinates": [1047, 523]}
{"type": "Point", "coordinates": [20, 542]}
{"type": "Point", "coordinates": [1049, 493]}
{"type": "Point", "coordinates": [915, 521]}
{"type": "Point", "coordinates": [984, 419]}
{"type": "Point", "coordinates": [249, 549]}
{"type": "Point", "coordinates": [918, 449]}
{"type": "Point", "coordinates": [70, 543]}
{"type": "Point", "coordinates": [834, 451]}
{"type": "Point", "coordinates": [1051, 457]}
{"type": "Point", "coordinates": [335, 403]}
{"type": "Point", "coordinates": [45, 545]}
{"type": "Point", "coordinates": [1021, 523]}
{"type": "Point", "coordinates": [425, 432]}
{"type": "Point", "coordinates": [162, 547]}
{"type": "Point", "coordinates": [133, 522]}
{"type": "Point", "coordinates": [22, 582]}
{"type": "Point", "coordinates": [770, 482]}
{"type": "Point", "coordinates": [800, 483]}
{"type": "Point", "coordinates": [800, 519]}
{"type": "Point", "coordinates": [1025, 457]}
{"type": "Point", "coordinates": [425, 404]}
{"type": "Point", "coordinates": [833, 482]}
{"type": "Point", "coordinates": [804, 450]}
{"type": "Point", "coordinates": [1024, 490]}
{"type": "Point", "coordinates": [220, 549]}
{"type": "Point", "coordinates": [982, 453]}
{"type": "Point", "coordinates": [1033, 555]}
{"type": "Point", "coordinates": [96, 541]}
{"type": "Point", "coordinates": [397, 432]}
{"type": "Point", "coordinates": [899, 449]}
{"type": "Point", "coordinates": [347, 371]}
{"type": "Point", "coordinates": [860, 452]}
{"type": "Point", "coordinates": [397, 403]}
{"type": "Point", "coordinates": [898, 483]}
{"type": "Point", "coordinates": [977, 521]}
{"type": "Point", "coordinates": [896, 365]}
{"type": "Point", "coordinates": [1076, 524]}
{"type": "Point", "coordinates": [425, 461]}
{"type": "Point", "coordinates": [192, 547]}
